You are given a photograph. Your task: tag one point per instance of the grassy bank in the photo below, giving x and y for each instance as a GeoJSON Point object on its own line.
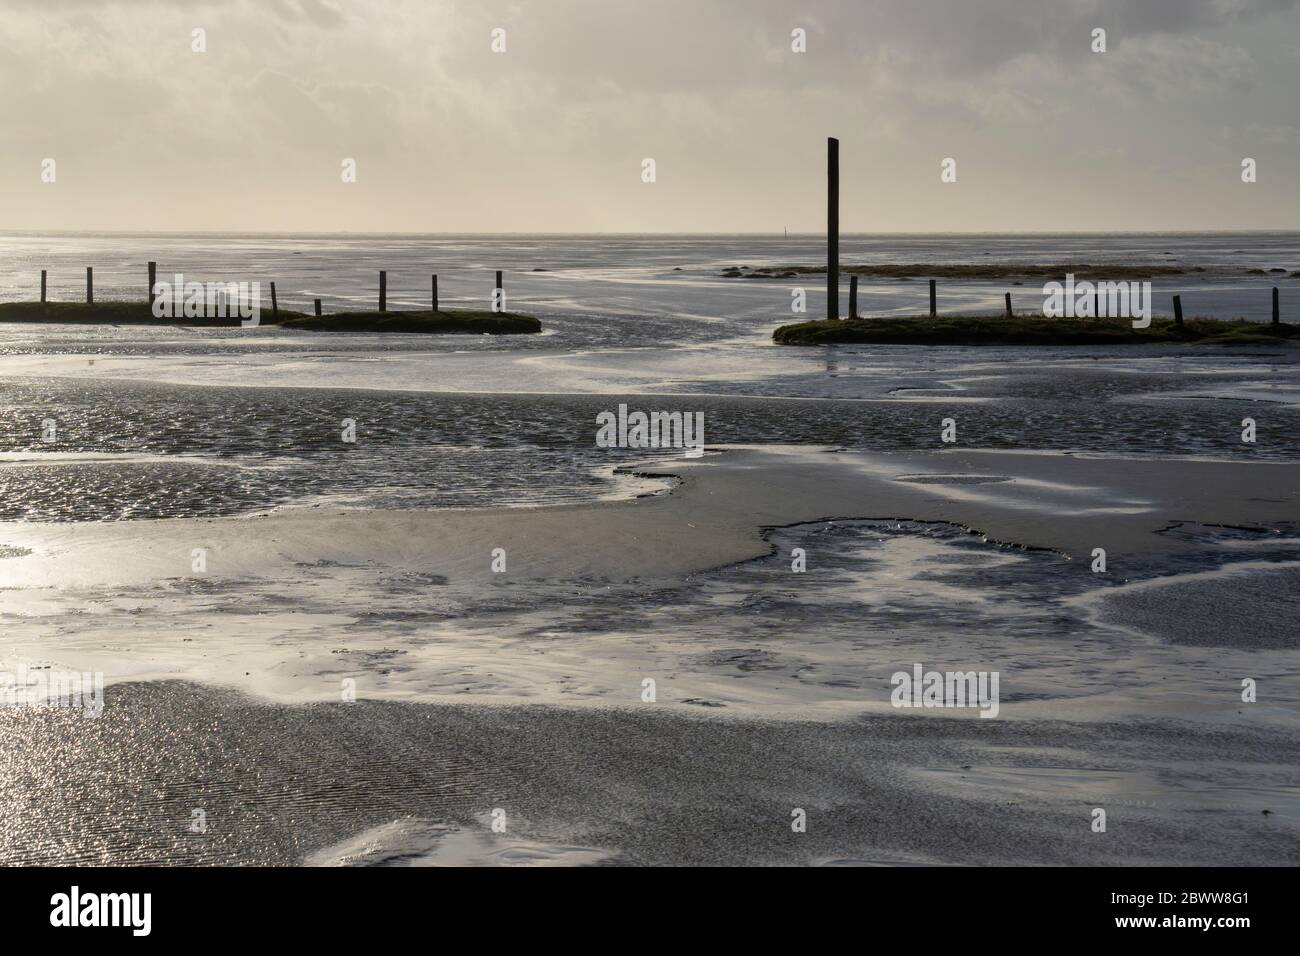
{"type": "Point", "coordinates": [1028, 330]}
{"type": "Point", "coordinates": [467, 322]}
{"type": "Point", "coordinates": [139, 313]}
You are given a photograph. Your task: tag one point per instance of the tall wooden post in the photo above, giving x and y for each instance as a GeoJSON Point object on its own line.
{"type": "Point", "coordinates": [934, 300]}
{"type": "Point", "coordinates": [317, 301]}
{"type": "Point", "coordinates": [42, 287]}
{"type": "Point", "coordinates": [153, 275]}
{"type": "Point", "coordinates": [1178, 310]}
{"type": "Point", "coordinates": [435, 292]}
{"type": "Point", "coordinates": [1009, 313]}
{"type": "Point", "coordinates": [853, 297]}
{"type": "Point", "coordinates": [90, 286]}
{"type": "Point", "coordinates": [832, 228]}
{"type": "Point", "coordinates": [383, 291]}
{"type": "Point", "coordinates": [1277, 312]}
{"type": "Point", "coordinates": [275, 305]}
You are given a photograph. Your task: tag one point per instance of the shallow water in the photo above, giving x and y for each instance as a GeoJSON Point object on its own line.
{"type": "Point", "coordinates": [207, 423]}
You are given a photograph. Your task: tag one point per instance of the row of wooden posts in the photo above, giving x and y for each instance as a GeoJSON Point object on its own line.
{"type": "Point", "coordinates": [934, 303]}
{"type": "Point", "coordinates": [275, 305]}
{"type": "Point", "coordinates": [832, 291]}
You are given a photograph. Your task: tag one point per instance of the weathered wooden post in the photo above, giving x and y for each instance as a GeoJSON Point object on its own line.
{"type": "Point", "coordinates": [1009, 305]}
{"type": "Point", "coordinates": [1178, 310]}
{"type": "Point", "coordinates": [934, 301]}
{"type": "Point", "coordinates": [275, 306]}
{"type": "Point", "coordinates": [853, 297]}
{"type": "Point", "coordinates": [1277, 312]}
{"type": "Point", "coordinates": [90, 286]}
{"type": "Point", "coordinates": [832, 228]}
{"type": "Point", "coordinates": [435, 292]}
{"type": "Point", "coordinates": [153, 275]}
{"type": "Point", "coordinates": [317, 301]}
{"type": "Point", "coordinates": [42, 287]}
{"type": "Point", "coordinates": [383, 291]}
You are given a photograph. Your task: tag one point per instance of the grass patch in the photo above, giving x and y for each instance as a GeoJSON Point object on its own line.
{"type": "Point", "coordinates": [1029, 330]}
{"type": "Point", "coordinates": [465, 322]}
{"type": "Point", "coordinates": [470, 322]}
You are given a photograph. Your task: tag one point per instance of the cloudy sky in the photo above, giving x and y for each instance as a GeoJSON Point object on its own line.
{"type": "Point", "coordinates": [549, 136]}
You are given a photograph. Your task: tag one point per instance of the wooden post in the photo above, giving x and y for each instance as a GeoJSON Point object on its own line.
{"type": "Point", "coordinates": [42, 287]}
{"type": "Point", "coordinates": [934, 301]}
{"type": "Point", "coordinates": [853, 297]}
{"type": "Point", "coordinates": [153, 274]}
{"type": "Point", "coordinates": [90, 286]}
{"type": "Point", "coordinates": [435, 292]}
{"type": "Point", "coordinates": [383, 291]}
{"type": "Point", "coordinates": [832, 228]}
{"type": "Point", "coordinates": [1277, 312]}
{"type": "Point", "coordinates": [1009, 313]}
{"type": "Point", "coordinates": [275, 306]}
{"type": "Point", "coordinates": [1178, 310]}
{"type": "Point", "coordinates": [317, 306]}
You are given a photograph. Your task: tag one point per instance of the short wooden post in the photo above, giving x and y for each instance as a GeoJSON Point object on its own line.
{"type": "Point", "coordinates": [1009, 305]}
{"type": "Point", "coordinates": [90, 286]}
{"type": "Point", "coordinates": [435, 291]}
{"type": "Point", "coordinates": [275, 306]}
{"type": "Point", "coordinates": [42, 287]}
{"type": "Point", "coordinates": [853, 297]}
{"type": "Point", "coordinates": [153, 275]}
{"type": "Point", "coordinates": [934, 301]}
{"type": "Point", "coordinates": [317, 306]}
{"type": "Point", "coordinates": [383, 291]}
{"type": "Point", "coordinates": [1178, 310]}
{"type": "Point", "coordinates": [1277, 312]}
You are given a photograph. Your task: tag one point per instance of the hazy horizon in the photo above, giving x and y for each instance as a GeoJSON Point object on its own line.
{"type": "Point", "coordinates": [549, 136]}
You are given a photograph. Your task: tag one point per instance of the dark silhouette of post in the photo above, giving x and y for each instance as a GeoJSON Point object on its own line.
{"type": "Point", "coordinates": [853, 297]}
{"type": "Point", "coordinates": [1277, 312]}
{"type": "Point", "coordinates": [383, 291]}
{"type": "Point", "coordinates": [153, 275]}
{"type": "Point", "coordinates": [832, 228]}
{"type": "Point", "coordinates": [1178, 310]}
{"type": "Point", "coordinates": [42, 287]}
{"type": "Point", "coordinates": [1096, 304]}
{"type": "Point", "coordinates": [1008, 305]}
{"type": "Point", "coordinates": [435, 292]}
{"type": "Point", "coordinates": [90, 286]}
{"type": "Point", "coordinates": [317, 301]}
{"type": "Point", "coordinates": [275, 306]}
{"type": "Point", "coordinates": [934, 300]}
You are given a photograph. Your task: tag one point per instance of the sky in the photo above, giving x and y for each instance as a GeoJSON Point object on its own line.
{"type": "Point", "coordinates": [551, 134]}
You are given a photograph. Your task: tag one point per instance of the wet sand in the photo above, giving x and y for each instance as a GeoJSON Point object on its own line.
{"type": "Point", "coordinates": [404, 784]}
{"type": "Point", "coordinates": [1066, 503]}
